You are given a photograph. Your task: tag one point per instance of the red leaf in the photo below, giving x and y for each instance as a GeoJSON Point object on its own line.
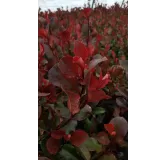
{"type": "Point", "coordinates": [52, 145]}
{"type": "Point", "coordinates": [70, 69]}
{"type": "Point", "coordinates": [80, 50]}
{"type": "Point", "coordinates": [103, 81]}
{"type": "Point", "coordinates": [102, 137]}
{"type": "Point", "coordinates": [78, 60]}
{"type": "Point", "coordinates": [41, 50]}
{"type": "Point", "coordinates": [109, 127]}
{"type": "Point", "coordinates": [58, 134]}
{"type": "Point", "coordinates": [96, 96]}
{"type": "Point", "coordinates": [65, 35]}
{"type": "Point", "coordinates": [78, 137]}
{"type": "Point", "coordinates": [91, 49]}
{"type": "Point", "coordinates": [94, 82]}
{"type": "Point", "coordinates": [42, 33]}
{"type": "Point", "coordinates": [73, 102]}
{"type": "Point", "coordinates": [57, 79]}
{"type": "Point", "coordinates": [67, 137]}
{"type": "Point", "coordinates": [87, 12]}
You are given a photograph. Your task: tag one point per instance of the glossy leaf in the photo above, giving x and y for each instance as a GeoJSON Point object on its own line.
{"type": "Point", "coordinates": [98, 110]}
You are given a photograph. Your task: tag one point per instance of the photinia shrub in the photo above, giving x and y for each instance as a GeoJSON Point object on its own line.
{"type": "Point", "coordinates": [82, 83]}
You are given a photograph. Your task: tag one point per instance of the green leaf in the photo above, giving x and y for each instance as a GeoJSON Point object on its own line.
{"type": "Point", "coordinates": [68, 152]}
{"type": "Point", "coordinates": [92, 145]}
{"type": "Point", "coordinates": [71, 126]}
{"type": "Point", "coordinates": [98, 110]}
{"type": "Point", "coordinates": [108, 157]}
{"type": "Point", "coordinates": [85, 152]}
{"type": "Point", "coordinates": [87, 124]}
{"type": "Point", "coordinates": [64, 111]}
{"type": "Point", "coordinates": [83, 113]}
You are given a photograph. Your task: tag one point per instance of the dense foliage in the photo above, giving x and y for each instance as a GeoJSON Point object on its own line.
{"type": "Point", "coordinates": [82, 83]}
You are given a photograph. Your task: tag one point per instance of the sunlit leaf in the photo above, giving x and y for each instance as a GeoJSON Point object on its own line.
{"type": "Point", "coordinates": [98, 110]}
{"type": "Point", "coordinates": [92, 145]}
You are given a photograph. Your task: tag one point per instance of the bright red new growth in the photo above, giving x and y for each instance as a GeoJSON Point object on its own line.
{"type": "Point", "coordinates": [110, 128]}
{"type": "Point", "coordinates": [87, 12]}
{"type": "Point", "coordinates": [52, 145]}
{"type": "Point", "coordinates": [78, 137]}
{"type": "Point", "coordinates": [80, 50]}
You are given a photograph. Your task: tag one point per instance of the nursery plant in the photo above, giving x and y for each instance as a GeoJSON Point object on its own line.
{"type": "Point", "coordinates": [82, 84]}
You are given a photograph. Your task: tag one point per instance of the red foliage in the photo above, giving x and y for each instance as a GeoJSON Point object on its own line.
{"type": "Point", "coordinates": [52, 145]}
{"type": "Point", "coordinates": [78, 137]}
{"type": "Point", "coordinates": [58, 134]}
{"type": "Point", "coordinates": [78, 64]}
{"type": "Point", "coordinates": [110, 128]}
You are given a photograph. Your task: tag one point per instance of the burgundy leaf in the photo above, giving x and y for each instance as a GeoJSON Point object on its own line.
{"type": "Point", "coordinates": [80, 50]}
{"type": "Point", "coordinates": [73, 102]}
{"type": "Point", "coordinates": [52, 145]}
{"type": "Point", "coordinates": [78, 137]}
{"type": "Point", "coordinates": [58, 134]}
{"type": "Point", "coordinates": [96, 96]}
{"type": "Point", "coordinates": [68, 68]}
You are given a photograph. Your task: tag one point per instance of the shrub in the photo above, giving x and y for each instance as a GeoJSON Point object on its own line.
{"type": "Point", "coordinates": [82, 86]}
